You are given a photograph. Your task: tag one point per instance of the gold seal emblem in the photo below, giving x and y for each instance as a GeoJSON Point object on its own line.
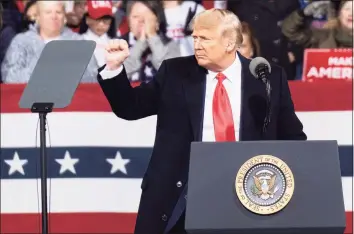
{"type": "Point", "coordinates": [264, 184]}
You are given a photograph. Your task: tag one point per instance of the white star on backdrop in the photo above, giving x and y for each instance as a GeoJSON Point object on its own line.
{"type": "Point", "coordinates": [118, 163]}
{"type": "Point", "coordinates": [67, 163]}
{"type": "Point", "coordinates": [16, 164]}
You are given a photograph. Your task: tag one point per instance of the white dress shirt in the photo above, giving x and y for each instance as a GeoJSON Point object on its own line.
{"type": "Point", "coordinates": [232, 84]}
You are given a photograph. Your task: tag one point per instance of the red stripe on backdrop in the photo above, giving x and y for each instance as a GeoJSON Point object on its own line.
{"type": "Point", "coordinates": [316, 96]}
{"type": "Point", "coordinates": [86, 223]}
{"type": "Point", "coordinates": [69, 223]}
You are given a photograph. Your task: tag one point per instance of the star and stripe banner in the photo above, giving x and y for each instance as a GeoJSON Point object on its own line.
{"type": "Point", "coordinates": [96, 160]}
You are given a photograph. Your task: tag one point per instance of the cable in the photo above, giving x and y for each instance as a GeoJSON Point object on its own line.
{"type": "Point", "coordinates": [35, 146]}
{"type": "Point", "coordinates": [50, 181]}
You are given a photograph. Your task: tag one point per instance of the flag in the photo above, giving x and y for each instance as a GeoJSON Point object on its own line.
{"type": "Point", "coordinates": [96, 160]}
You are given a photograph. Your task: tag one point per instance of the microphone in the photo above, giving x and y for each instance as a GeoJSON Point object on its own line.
{"type": "Point", "coordinates": [260, 69]}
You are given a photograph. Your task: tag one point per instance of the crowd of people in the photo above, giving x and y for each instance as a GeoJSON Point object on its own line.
{"type": "Point", "coordinates": [156, 30]}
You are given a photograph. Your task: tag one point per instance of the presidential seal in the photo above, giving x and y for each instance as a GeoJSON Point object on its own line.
{"type": "Point", "coordinates": [264, 184]}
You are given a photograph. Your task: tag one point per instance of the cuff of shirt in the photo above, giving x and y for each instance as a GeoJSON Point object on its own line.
{"type": "Point", "coordinates": [109, 74]}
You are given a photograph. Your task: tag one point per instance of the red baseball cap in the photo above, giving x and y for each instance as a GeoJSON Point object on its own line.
{"type": "Point", "coordinates": [98, 9]}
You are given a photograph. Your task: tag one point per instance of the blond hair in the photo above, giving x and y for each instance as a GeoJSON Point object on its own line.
{"type": "Point", "coordinates": [229, 23]}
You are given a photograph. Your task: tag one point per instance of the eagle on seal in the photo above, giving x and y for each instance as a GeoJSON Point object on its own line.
{"type": "Point", "coordinates": [264, 188]}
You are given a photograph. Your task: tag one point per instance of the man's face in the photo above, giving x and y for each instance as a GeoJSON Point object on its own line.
{"type": "Point", "coordinates": [209, 43]}
{"type": "Point", "coordinates": [51, 16]}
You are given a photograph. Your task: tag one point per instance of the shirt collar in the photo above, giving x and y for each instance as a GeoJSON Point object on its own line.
{"type": "Point", "coordinates": [230, 71]}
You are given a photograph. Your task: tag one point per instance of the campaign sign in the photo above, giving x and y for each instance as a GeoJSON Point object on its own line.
{"type": "Point", "coordinates": [328, 64]}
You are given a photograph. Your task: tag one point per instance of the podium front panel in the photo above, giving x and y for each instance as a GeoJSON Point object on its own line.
{"type": "Point", "coordinates": [316, 203]}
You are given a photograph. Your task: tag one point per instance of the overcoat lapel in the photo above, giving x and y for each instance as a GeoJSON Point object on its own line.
{"type": "Point", "coordinates": [253, 104]}
{"type": "Point", "coordinates": [194, 89]}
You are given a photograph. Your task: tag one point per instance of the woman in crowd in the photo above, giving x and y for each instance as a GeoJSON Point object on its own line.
{"type": "Point", "coordinates": [179, 14]}
{"type": "Point", "coordinates": [29, 15]}
{"type": "Point", "coordinates": [250, 46]}
{"type": "Point", "coordinates": [98, 25]}
{"type": "Point", "coordinates": [337, 34]}
{"type": "Point", "coordinates": [147, 40]}
{"type": "Point", "coordinates": [75, 15]}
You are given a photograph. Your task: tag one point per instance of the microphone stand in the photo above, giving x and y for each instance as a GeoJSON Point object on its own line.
{"type": "Point", "coordinates": [263, 71]}
{"type": "Point", "coordinates": [268, 111]}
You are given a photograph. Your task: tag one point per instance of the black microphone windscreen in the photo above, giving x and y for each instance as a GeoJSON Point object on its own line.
{"type": "Point", "coordinates": [255, 63]}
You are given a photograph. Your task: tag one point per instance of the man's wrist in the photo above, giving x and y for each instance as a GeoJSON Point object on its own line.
{"type": "Point", "coordinates": [112, 67]}
{"type": "Point", "coordinates": [109, 74]}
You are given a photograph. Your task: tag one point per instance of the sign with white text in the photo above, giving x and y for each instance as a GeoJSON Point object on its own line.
{"type": "Point", "coordinates": [328, 64]}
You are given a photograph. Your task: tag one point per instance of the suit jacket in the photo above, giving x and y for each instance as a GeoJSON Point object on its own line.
{"type": "Point", "coordinates": [176, 96]}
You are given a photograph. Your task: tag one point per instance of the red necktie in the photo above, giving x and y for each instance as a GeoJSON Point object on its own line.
{"type": "Point", "coordinates": [222, 113]}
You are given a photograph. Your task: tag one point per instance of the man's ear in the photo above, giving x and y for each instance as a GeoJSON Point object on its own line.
{"type": "Point", "coordinates": [231, 46]}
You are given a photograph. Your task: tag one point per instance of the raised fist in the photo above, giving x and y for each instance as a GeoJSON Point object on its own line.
{"type": "Point", "coordinates": [117, 51]}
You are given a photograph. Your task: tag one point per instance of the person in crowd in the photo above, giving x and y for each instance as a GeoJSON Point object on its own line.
{"type": "Point", "coordinates": [337, 34]}
{"type": "Point", "coordinates": [12, 14]}
{"type": "Point", "coordinates": [75, 17]}
{"type": "Point", "coordinates": [99, 25]}
{"type": "Point", "coordinates": [147, 39]}
{"type": "Point", "coordinates": [7, 33]}
{"type": "Point", "coordinates": [30, 14]}
{"type": "Point", "coordinates": [25, 49]}
{"type": "Point", "coordinates": [268, 15]}
{"type": "Point", "coordinates": [179, 14]}
{"type": "Point", "coordinates": [250, 46]}
{"type": "Point", "coordinates": [118, 13]}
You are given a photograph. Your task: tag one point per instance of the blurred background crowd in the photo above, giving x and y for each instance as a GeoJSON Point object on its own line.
{"type": "Point", "coordinates": [278, 30]}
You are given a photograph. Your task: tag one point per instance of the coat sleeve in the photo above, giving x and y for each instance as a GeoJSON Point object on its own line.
{"type": "Point", "coordinates": [297, 29]}
{"type": "Point", "coordinates": [289, 125]}
{"type": "Point", "coordinates": [133, 103]}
